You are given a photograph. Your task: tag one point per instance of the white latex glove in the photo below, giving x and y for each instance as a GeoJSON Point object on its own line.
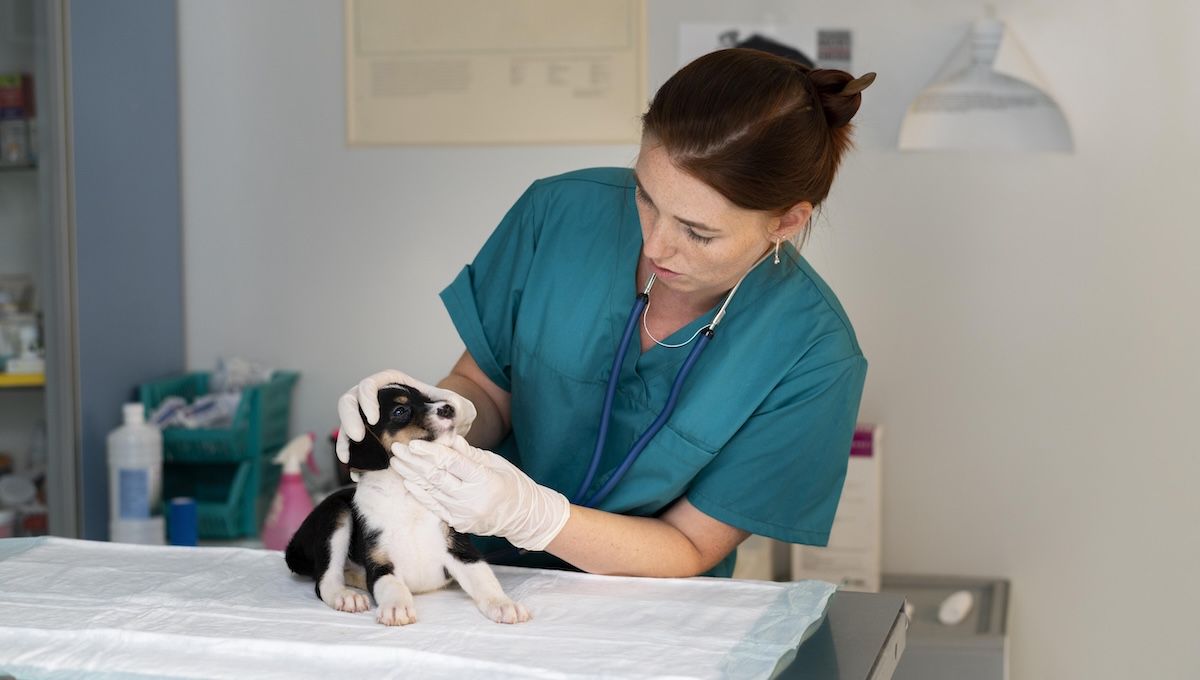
{"type": "Point", "coordinates": [365, 395]}
{"type": "Point", "coordinates": [479, 492]}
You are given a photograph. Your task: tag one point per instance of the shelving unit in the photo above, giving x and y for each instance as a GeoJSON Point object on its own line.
{"type": "Point", "coordinates": [107, 108]}
{"type": "Point", "coordinates": [23, 228]}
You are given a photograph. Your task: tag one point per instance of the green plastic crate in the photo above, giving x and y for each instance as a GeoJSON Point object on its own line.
{"type": "Point", "coordinates": [226, 470]}
{"type": "Point", "coordinates": [220, 492]}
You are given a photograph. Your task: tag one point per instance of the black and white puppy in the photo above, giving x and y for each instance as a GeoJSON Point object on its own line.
{"type": "Point", "coordinates": [377, 537]}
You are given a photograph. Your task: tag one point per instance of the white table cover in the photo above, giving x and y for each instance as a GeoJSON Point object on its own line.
{"type": "Point", "coordinates": [75, 609]}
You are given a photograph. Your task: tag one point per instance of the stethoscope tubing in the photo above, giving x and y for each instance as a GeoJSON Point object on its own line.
{"type": "Point", "coordinates": [663, 415]}
{"type": "Point", "coordinates": [702, 339]}
{"type": "Point", "coordinates": [634, 314]}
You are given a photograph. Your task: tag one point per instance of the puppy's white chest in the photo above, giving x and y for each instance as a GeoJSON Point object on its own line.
{"type": "Point", "coordinates": [410, 537]}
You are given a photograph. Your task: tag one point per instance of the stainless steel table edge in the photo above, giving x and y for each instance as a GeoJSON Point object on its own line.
{"type": "Point", "coordinates": [862, 637]}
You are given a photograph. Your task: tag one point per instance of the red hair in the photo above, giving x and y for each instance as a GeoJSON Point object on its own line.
{"type": "Point", "coordinates": [764, 131]}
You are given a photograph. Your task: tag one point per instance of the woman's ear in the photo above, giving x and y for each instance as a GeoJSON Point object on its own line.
{"type": "Point", "coordinates": [793, 221]}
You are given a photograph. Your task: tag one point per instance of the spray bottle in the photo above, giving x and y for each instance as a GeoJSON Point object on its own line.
{"type": "Point", "coordinates": [292, 501]}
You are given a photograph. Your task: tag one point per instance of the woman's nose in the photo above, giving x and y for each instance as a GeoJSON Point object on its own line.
{"type": "Point", "coordinates": [657, 244]}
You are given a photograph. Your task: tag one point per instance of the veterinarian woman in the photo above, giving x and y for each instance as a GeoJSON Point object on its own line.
{"type": "Point", "coordinates": [738, 149]}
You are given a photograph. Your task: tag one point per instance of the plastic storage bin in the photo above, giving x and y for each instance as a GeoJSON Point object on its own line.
{"type": "Point", "coordinates": [226, 470]}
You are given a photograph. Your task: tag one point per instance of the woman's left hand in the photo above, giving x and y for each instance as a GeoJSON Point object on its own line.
{"type": "Point", "coordinates": [479, 492]}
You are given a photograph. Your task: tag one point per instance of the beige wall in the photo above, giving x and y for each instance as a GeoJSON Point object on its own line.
{"type": "Point", "coordinates": [1030, 319]}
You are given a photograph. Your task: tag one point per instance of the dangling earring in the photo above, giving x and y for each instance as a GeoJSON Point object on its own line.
{"type": "Point", "coordinates": [777, 251]}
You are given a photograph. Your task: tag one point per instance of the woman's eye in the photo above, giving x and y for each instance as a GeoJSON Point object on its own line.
{"type": "Point", "coordinates": [642, 197]}
{"type": "Point", "coordinates": [703, 240]}
{"type": "Point", "coordinates": [401, 413]}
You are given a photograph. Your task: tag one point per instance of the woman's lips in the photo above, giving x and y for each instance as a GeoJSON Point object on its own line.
{"type": "Point", "coordinates": [661, 272]}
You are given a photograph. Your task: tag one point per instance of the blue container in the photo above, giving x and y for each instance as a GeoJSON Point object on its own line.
{"type": "Point", "coordinates": [182, 522]}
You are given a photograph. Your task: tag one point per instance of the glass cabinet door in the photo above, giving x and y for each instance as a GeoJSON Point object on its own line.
{"type": "Point", "coordinates": [31, 232]}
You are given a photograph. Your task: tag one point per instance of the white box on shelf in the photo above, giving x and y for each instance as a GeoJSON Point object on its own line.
{"type": "Point", "coordinates": [24, 365]}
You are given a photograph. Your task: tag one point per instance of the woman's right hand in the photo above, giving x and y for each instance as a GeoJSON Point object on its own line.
{"type": "Point", "coordinates": [365, 396]}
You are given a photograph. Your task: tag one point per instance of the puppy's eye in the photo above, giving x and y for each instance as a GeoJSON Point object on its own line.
{"type": "Point", "coordinates": [402, 412]}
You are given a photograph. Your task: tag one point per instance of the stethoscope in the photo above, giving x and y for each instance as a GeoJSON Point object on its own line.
{"type": "Point", "coordinates": [702, 338]}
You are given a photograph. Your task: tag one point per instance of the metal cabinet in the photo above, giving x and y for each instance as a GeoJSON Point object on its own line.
{"type": "Point", "coordinates": [976, 648]}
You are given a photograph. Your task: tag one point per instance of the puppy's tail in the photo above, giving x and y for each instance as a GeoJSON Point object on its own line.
{"type": "Point", "coordinates": [297, 560]}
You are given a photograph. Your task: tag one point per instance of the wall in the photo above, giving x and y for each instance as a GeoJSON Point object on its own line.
{"type": "Point", "coordinates": [125, 143]}
{"type": "Point", "coordinates": [290, 232]}
{"type": "Point", "coordinates": [1029, 318]}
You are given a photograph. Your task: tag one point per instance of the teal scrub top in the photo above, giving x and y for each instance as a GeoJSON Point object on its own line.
{"type": "Point", "coordinates": [761, 432]}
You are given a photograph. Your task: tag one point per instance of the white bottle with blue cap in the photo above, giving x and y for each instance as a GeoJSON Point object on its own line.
{"type": "Point", "coordinates": [135, 453]}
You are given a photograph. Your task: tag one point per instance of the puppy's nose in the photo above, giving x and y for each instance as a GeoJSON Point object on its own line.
{"type": "Point", "coordinates": [446, 411]}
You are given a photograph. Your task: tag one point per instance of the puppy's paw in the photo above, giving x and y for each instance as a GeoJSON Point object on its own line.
{"type": "Point", "coordinates": [350, 601]}
{"type": "Point", "coordinates": [397, 614]}
{"type": "Point", "coordinates": [505, 611]}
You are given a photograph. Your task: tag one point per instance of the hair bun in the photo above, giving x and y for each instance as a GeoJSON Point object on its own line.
{"type": "Point", "coordinates": [840, 93]}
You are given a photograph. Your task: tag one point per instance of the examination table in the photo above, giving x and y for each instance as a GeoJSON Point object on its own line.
{"type": "Point", "coordinates": [73, 609]}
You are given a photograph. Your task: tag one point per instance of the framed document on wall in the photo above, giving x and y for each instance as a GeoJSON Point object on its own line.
{"type": "Point", "coordinates": [494, 71]}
